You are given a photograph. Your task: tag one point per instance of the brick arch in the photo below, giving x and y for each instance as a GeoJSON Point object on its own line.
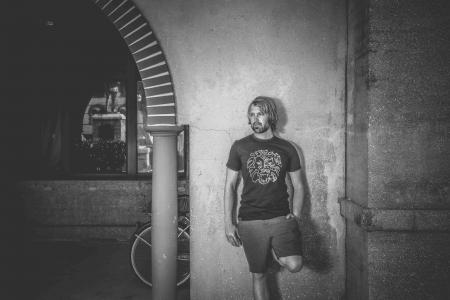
{"type": "Point", "coordinates": [149, 58]}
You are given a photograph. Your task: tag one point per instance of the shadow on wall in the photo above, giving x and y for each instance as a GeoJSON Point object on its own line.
{"type": "Point", "coordinates": [316, 254]}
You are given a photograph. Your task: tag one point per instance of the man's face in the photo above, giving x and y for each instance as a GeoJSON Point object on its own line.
{"type": "Point", "coordinates": [258, 120]}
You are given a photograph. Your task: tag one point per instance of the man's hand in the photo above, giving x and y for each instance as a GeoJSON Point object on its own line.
{"type": "Point", "coordinates": [232, 235]}
{"type": "Point", "coordinates": [291, 215]}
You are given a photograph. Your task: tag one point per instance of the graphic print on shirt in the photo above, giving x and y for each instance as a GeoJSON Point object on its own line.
{"type": "Point", "coordinates": [264, 166]}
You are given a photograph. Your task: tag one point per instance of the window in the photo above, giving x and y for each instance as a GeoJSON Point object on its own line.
{"type": "Point", "coordinates": [108, 143]}
{"type": "Point", "coordinates": [102, 147]}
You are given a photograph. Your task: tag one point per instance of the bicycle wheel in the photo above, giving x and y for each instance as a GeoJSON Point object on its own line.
{"type": "Point", "coordinates": [141, 249]}
{"type": "Point", "coordinates": [183, 256]}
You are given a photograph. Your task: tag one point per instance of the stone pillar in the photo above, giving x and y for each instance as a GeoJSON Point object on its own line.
{"type": "Point", "coordinates": [397, 204]}
{"type": "Point", "coordinates": [164, 212]}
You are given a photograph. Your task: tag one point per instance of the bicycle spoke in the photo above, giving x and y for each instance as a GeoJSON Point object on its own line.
{"type": "Point", "coordinates": [141, 259]}
{"type": "Point", "coordinates": [183, 230]}
{"type": "Point", "coordinates": [143, 240]}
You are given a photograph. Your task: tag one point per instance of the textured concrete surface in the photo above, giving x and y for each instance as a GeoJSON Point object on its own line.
{"type": "Point", "coordinates": [85, 209]}
{"type": "Point", "coordinates": [409, 109]}
{"type": "Point", "coordinates": [409, 266]}
{"type": "Point", "coordinates": [375, 219]}
{"type": "Point", "coordinates": [357, 178]}
{"type": "Point", "coordinates": [222, 54]}
{"type": "Point", "coordinates": [397, 113]}
{"type": "Point", "coordinates": [356, 262]}
{"type": "Point", "coordinates": [398, 160]}
{"type": "Point", "coordinates": [80, 209]}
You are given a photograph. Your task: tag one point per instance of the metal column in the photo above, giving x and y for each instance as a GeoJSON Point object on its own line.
{"type": "Point", "coordinates": [164, 213]}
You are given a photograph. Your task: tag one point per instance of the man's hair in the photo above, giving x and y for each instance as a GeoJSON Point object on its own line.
{"type": "Point", "coordinates": [268, 107]}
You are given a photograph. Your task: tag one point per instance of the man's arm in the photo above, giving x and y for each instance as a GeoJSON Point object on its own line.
{"type": "Point", "coordinates": [299, 193]}
{"type": "Point", "coordinates": [231, 232]}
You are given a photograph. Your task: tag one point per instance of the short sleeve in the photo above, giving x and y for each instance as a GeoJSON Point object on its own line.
{"type": "Point", "coordinates": [294, 160]}
{"type": "Point", "coordinates": [234, 162]}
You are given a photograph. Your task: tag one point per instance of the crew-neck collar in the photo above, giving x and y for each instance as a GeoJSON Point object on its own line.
{"type": "Point", "coordinates": [253, 137]}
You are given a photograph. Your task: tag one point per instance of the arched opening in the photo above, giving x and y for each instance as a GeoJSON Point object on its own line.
{"type": "Point", "coordinates": [69, 58]}
{"type": "Point", "coordinates": [149, 57]}
{"type": "Point", "coordinates": [69, 64]}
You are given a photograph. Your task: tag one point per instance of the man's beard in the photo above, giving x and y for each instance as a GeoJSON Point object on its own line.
{"type": "Point", "coordinates": [259, 128]}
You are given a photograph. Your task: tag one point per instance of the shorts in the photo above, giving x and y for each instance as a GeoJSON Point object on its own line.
{"type": "Point", "coordinates": [259, 236]}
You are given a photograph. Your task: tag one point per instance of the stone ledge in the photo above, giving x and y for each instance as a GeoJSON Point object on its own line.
{"type": "Point", "coordinates": [375, 219]}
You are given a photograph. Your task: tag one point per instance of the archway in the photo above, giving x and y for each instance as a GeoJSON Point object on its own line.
{"type": "Point", "coordinates": [149, 57]}
{"type": "Point", "coordinates": [161, 121]}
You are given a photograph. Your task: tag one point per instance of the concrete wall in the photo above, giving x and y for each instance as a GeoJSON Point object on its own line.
{"type": "Point", "coordinates": [83, 209]}
{"type": "Point", "coordinates": [398, 120]}
{"type": "Point", "coordinates": [410, 108]}
{"type": "Point", "coordinates": [357, 102]}
{"type": "Point", "coordinates": [405, 265]}
{"type": "Point", "coordinates": [224, 53]}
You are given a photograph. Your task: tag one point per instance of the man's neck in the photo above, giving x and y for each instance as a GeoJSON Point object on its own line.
{"type": "Point", "coordinates": [264, 135]}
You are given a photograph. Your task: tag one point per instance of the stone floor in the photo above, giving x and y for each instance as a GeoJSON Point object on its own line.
{"type": "Point", "coordinates": [90, 270]}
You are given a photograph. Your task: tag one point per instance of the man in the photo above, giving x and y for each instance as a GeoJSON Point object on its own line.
{"type": "Point", "coordinates": [266, 225]}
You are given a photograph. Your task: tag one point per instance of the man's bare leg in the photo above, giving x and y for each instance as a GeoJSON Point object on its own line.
{"type": "Point", "coordinates": [292, 263]}
{"type": "Point", "coordinates": [260, 288]}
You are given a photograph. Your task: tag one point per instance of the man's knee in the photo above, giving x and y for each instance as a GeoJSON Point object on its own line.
{"type": "Point", "coordinates": [259, 276]}
{"type": "Point", "coordinates": [293, 263]}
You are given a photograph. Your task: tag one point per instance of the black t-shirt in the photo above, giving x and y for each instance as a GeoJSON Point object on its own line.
{"type": "Point", "coordinates": [263, 164]}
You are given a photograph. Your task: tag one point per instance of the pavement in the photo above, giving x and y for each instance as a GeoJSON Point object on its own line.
{"type": "Point", "coordinates": [87, 270]}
